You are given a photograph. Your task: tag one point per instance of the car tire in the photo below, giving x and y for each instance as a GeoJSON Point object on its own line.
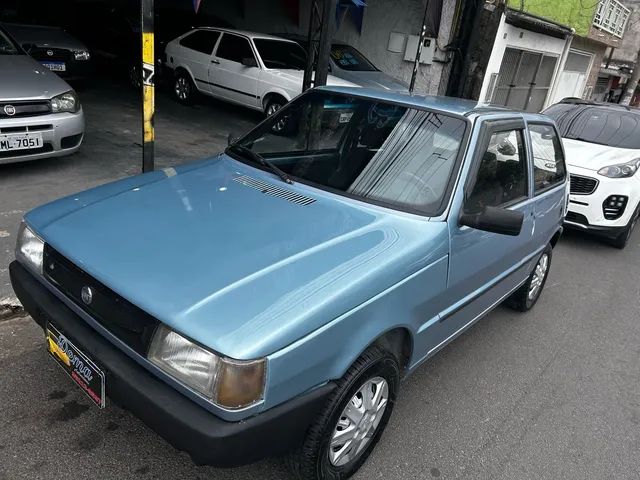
{"type": "Point", "coordinates": [621, 240]}
{"type": "Point", "coordinates": [528, 294]}
{"type": "Point", "coordinates": [376, 372]}
{"type": "Point", "coordinates": [274, 103]}
{"type": "Point", "coordinates": [184, 90]}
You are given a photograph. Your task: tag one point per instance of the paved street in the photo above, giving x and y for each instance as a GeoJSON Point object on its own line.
{"type": "Point", "coordinates": [553, 394]}
{"type": "Point", "coordinates": [548, 395]}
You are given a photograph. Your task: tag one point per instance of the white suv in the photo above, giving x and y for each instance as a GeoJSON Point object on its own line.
{"type": "Point", "coordinates": [602, 145]}
{"type": "Point", "coordinates": [258, 71]}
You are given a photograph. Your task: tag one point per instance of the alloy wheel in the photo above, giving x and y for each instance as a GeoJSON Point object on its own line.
{"type": "Point", "coordinates": [182, 88]}
{"type": "Point", "coordinates": [539, 275]}
{"type": "Point", "coordinates": [358, 421]}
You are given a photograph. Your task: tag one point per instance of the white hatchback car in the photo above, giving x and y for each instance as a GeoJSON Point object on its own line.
{"type": "Point", "coordinates": [602, 145]}
{"type": "Point", "coordinates": [262, 72]}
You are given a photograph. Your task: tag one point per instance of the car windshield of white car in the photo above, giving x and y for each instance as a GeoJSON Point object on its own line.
{"type": "Point", "coordinates": [348, 58]}
{"type": "Point", "coordinates": [613, 127]}
{"type": "Point", "coordinates": [7, 47]}
{"type": "Point", "coordinates": [376, 151]}
{"type": "Point", "coordinates": [282, 55]}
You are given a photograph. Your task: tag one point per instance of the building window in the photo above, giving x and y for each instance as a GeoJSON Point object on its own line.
{"type": "Point", "coordinates": [611, 16]}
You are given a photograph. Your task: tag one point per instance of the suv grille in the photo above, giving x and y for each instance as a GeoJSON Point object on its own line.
{"type": "Point", "coordinates": [583, 185]}
{"type": "Point", "coordinates": [26, 109]}
{"type": "Point", "coordinates": [123, 319]}
{"type": "Point", "coordinates": [57, 54]}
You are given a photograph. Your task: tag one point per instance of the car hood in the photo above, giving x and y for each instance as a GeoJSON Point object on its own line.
{"type": "Point", "coordinates": [23, 78]}
{"type": "Point", "coordinates": [240, 271]}
{"type": "Point", "coordinates": [44, 36]}
{"type": "Point", "coordinates": [297, 76]}
{"type": "Point", "coordinates": [593, 156]}
{"type": "Point", "coordinates": [379, 80]}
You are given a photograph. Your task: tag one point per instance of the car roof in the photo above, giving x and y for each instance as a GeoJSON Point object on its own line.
{"type": "Point", "coordinates": [455, 106]}
{"type": "Point", "coordinates": [589, 103]}
{"type": "Point", "coordinates": [252, 35]}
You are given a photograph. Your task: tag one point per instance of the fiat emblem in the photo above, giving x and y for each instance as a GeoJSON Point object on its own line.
{"type": "Point", "coordinates": [87, 295]}
{"type": "Point", "coordinates": [10, 110]}
{"type": "Point", "coordinates": [50, 53]}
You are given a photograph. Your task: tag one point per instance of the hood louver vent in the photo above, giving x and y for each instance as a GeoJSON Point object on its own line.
{"type": "Point", "coordinates": [274, 191]}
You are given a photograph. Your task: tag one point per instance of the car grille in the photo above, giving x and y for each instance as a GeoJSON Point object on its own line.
{"type": "Point", "coordinates": [57, 54]}
{"type": "Point", "coordinates": [583, 185]}
{"type": "Point", "coordinates": [25, 109]}
{"type": "Point", "coordinates": [577, 218]}
{"type": "Point", "coordinates": [120, 317]}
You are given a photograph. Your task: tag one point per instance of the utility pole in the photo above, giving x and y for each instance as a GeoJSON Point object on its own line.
{"type": "Point", "coordinates": [423, 34]}
{"type": "Point", "coordinates": [148, 89]}
{"type": "Point", "coordinates": [632, 84]}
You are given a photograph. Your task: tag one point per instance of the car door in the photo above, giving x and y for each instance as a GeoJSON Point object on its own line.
{"type": "Point", "coordinates": [195, 55]}
{"type": "Point", "coordinates": [229, 77]}
{"type": "Point", "coordinates": [485, 267]}
{"type": "Point", "coordinates": [549, 180]}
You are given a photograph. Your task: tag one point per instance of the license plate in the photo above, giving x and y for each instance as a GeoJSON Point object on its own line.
{"type": "Point", "coordinates": [20, 141]}
{"type": "Point", "coordinates": [56, 66]}
{"type": "Point", "coordinates": [82, 370]}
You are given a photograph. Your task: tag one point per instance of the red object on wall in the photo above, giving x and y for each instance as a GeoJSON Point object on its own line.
{"type": "Point", "coordinates": [292, 7]}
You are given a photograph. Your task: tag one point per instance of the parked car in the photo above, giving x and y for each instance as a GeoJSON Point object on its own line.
{"type": "Point", "coordinates": [54, 48]}
{"type": "Point", "coordinates": [348, 63]}
{"type": "Point", "coordinates": [255, 70]}
{"type": "Point", "coordinates": [602, 142]}
{"type": "Point", "coordinates": [307, 270]}
{"type": "Point", "coordinates": [40, 114]}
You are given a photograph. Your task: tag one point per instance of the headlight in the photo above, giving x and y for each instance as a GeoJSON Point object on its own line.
{"type": "Point", "coordinates": [231, 384]}
{"type": "Point", "coordinates": [67, 102]}
{"type": "Point", "coordinates": [623, 170]}
{"type": "Point", "coordinates": [81, 55]}
{"type": "Point", "coordinates": [29, 248]}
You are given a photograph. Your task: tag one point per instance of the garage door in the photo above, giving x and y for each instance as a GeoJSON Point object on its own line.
{"type": "Point", "coordinates": [574, 76]}
{"type": "Point", "coordinates": [524, 79]}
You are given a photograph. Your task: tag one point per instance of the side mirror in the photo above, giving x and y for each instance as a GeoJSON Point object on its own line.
{"type": "Point", "coordinates": [28, 47]}
{"type": "Point", "coordinates": [249, 62]}
{"type": "Point", "coordinates": [232, 138]}
{"type": "Point", "coordinates": [496, 220]}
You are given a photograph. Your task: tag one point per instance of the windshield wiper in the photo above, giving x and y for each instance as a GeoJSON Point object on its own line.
{"type": "Point", "coordinates": [256, 157]}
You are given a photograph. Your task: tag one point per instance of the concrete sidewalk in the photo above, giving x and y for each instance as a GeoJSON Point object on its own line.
{"type": "Point", "coordinates": [111, 149]}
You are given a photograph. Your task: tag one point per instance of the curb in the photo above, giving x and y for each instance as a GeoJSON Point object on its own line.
{"type": "Point", "coordinates": [10, 307]}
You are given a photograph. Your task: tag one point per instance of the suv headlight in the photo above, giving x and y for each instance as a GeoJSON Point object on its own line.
{"type": "Point", "coordinates": [231, 384]}
{"type": "Point", "coordinates": [29, 248]}
{"type": "Point", "coordinates": [81, 55]}
{"type": "Point", "coordinates": [67, 102]}
{"type": "Point", "coordinates": [623, 170]}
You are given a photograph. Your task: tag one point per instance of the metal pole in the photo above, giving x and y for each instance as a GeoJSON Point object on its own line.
{"type": "Point", "coordinates": [311, 42]}
{"type": "Point", "coordinates": [148, 89]}
{"type": "Point", "coordinates": [326, 37]}
{"type": "Point", "coordinates": [423, 34]}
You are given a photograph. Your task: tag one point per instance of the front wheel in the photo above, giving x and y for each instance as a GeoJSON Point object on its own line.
{"type": "Point", "coordinates": [528, 294]}
{"type": "Point", "coordinates": [621, 240]}
{"type": "Point", "coordinates": [350, 425]}
{"type": "Point", "coordinates": [183, 88]}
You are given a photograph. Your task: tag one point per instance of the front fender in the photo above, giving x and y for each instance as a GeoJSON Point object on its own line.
{"type": "Point", "coordinates": [327, 353]}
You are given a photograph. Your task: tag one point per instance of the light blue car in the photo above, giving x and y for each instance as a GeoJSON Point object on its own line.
{"type": "Point", "coordinates": [269, 300]}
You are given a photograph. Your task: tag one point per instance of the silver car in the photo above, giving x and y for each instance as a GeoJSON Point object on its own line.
{"type": "Point", "coordinates": [40, 114]}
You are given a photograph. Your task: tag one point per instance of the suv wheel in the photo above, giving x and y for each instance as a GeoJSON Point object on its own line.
{"type": "Point", "coordinates": [183, 88]}
{"type": "Point", "coordinates": [347, 430]}
{"type": "Point", "coordinates": [621, 240]}
{"type": "Point", "coordinates": [528, 294]}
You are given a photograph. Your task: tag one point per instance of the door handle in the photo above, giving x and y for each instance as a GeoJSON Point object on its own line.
{"type": "Point", "coordinates": [216, 62]}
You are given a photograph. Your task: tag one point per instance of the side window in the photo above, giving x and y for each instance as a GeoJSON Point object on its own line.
{"type": "Point", "coordinates": [502, 175]}
{"type": "Point", "coordinates": [234, 48]}
{"type": "Point", "coordinates": [201, 41]}
{"type": "Point", "coordinates": [548, 161]}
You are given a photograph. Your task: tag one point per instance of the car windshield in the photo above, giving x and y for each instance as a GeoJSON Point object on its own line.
{"type": "Point", "coordinates": [379, 152]}
{"type": "Point", "coordinates": [281, 54]}
{"type": "Point", "coordinates": [7, 46]}
{"type": "Point", "coordinates": [348, 58]}
{"type": "Point", "coordinates": [612, 127]}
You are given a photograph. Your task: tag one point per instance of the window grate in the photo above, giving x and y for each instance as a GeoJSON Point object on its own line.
{"type": "Point", "coordinates": [611, 16]}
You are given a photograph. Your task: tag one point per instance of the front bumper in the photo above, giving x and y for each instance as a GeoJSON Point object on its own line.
{"type": "Point", "coordinates": [586, 211]}
{"type": "Point", "coordinates": [184, 424]}
{"type": "Point", "coordinates": [62, 134]}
